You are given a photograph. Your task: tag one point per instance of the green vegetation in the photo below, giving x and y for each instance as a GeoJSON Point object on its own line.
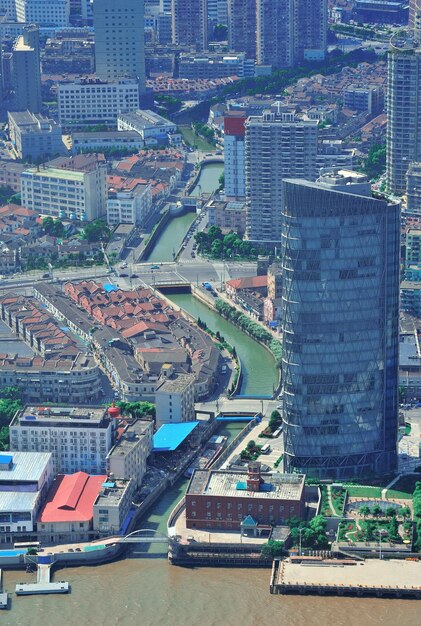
{"type": "Point", "coordinates": [203, 130]}
{"type": "Point", "coordinates": [220, 32]}
{"type": "Point", "coordinates": [313, 533]}
{"type": "Point", "coordinates": [272, 548]}
{"type": "Point", "coordinates": [416, 505]}
{"type": "Point", "coordinates": [249, 326]}
{"type": "Point", "coordinates": [169, 103]}
{"type": "Point", "coordinates": [218, 246]}
{"type": "Point", "coordinates": [274, 423]}
{"type": "Point", "coordinates": [137, 409]}
{"type": "Point", "coordinates": [192, 138]}
{"type": "Point", "coordinates": [363, 491]}
{"type": "Point", "coordinates": [10, 402]}
{"type": "Point", "coordinates": [338, 499]}
{"type": "Point", "coordinates": [251, 452]}
{"type": "Point", "coordinates": [375, 163]}
{"type": "Point", "coordinates": [346, 527]}
{"type": "Point", "coordinates": [221, 181]}
{"type": "Point", "coordinates": [6, 195]}
{"type": "Point", "coordinates": [53, 227]}
{"type": "Point", "coordinates": [96, 231]}
{"type": "Point", "coordinates": [96, 128]}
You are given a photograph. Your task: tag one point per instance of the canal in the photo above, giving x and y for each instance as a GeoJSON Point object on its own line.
{"type": "Point", "coordinates": [260, 374]}
{"type": "Point", "coordinates": [170, 240]}
{"type": "Point", "coordinates": [158, 515]}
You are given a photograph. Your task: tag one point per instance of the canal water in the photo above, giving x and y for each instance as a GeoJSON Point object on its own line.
{"type": "Point", "coordinates": [260, 374]}
{"type": "Point", "coordinates": [170, 240]}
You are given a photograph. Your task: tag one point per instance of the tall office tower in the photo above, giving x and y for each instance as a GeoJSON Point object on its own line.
{"type": "Point", "coordinates": [310, 30]}
{"type": "Point", "coordinates": [415, 17]}
{"type": "Point", "coordinates": [26, 77]}
{"type": "Point", "coordinates": [277, 145]}
{"type": "Point", "coordinates": [340, 307]}
{"type": "Point", "coordinates": [403, 111]}
{"type": "Point", "coordinates": [274, 33]}
{"type": "Point", "coordinates": [190, 23]}
{"type": "Point", "coordinates": [9, 8]}
{"type": "Point", "coordinates": [234, 132]}
{"type": "Point", "coordinates": [242, 26]}
{"type": "Point", "coordinates": [120, 40]}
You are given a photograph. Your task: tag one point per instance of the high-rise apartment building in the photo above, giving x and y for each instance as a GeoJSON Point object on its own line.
{"type": "Point", "coordinates": [403, 110]}
{"type": "Point", "coordinates": [234, 172]}
{"type": "Point", "coordinates": [242, 26]}
{"type": "Point", "coordinates": [25, 73]}
{"type": "Point", "coordinates": [274, 33]}
{"type": "Point", "coordinates": [190, 23]}
{"type": "Point", "coordinates": [310, 30]}
{"type": "Point", "coordinates": [415, 16]}
{"type": "Point", "coordinates": [340, 301]}
{"type": "Point", "coordinates": [44, 14]}
{"type": "Point", "coordinates": [120, 40]}
{"type": "Point", "coordinates": [277, 145]}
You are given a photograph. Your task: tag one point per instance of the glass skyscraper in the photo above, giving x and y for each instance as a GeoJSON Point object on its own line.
{"type": "Point", "coordinates": [340, 251]}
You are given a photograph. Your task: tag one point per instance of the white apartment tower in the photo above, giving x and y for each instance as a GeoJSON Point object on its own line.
{"type": "Point", "coordinates": [278, 145]}
{"type": "Point", "coordinates": [120, 40]}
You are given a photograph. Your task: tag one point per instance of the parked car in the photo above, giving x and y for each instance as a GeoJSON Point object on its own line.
{"type": "Point", "coordinates": [46, 275]}
{"type": "Point", "coordinates": [134, 276]}
{"type": "Point", "coordinates": [155, 267]}
{"type": "Point", "coordinates": [123, 275]}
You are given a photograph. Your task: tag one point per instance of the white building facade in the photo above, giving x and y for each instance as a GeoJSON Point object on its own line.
{"type": "Point", "coordinates": [51, 13]}
{"type": "Point", "coordinates": [94, 101]}
{"type": "Point", "coordinates": [129, 207]}
{"type": "Point", "coordinates": [174, 400]}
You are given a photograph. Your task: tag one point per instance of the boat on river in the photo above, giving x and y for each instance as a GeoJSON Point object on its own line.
{"type": "Point", "coordinates": [205, 458]}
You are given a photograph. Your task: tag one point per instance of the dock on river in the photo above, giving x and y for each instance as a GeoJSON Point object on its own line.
{"type": "Point", "coordinates": [373, 577]}
{"type": "Point", "coordinates": [3, 594]}
{"type": "Point", "coordinates": [43, 584]}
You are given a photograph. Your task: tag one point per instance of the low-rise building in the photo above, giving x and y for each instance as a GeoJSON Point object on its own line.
{"type": "Point", "coordinates": [107, 140]}
{"type": "Point", "coordinates": [228, 215]}
{"type": "Point", "coordinates": [129, 201]}
{"type": "Point", "coordinates": [411, 297]}
{"type": "Point", "coordinates": [10, 173]}
{"type": "Point", "coordinates": [35, 136]}
{"type": "Point", "coordinates": [25, 477]}
{"type": "Point", "coordinates": [215, 65]}
{"type": "Point", "coordinates": [174, 398]}
{"type": "Point", "coordinates": [413, 189]}
{"type": "Point", "coordinates": [127, 458]}
{"type": "Point", "coordinates": [74, 188]}
{"type": "Point", "coordinates": [153, 128]}
{"type": "Point", "coordinates": [79, 438]}
{"type": "Point", "coordinates": [67, 514]}
{"type": "Point", "coordinates": [94, 101]}
{"type": "Point", "coordinates": [225, 498]}
{"type": "Point", "coordinates": [112, 506]}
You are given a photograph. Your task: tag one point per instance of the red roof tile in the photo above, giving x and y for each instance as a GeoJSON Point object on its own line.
{"type": "Point", "coordinates": [71, 498]}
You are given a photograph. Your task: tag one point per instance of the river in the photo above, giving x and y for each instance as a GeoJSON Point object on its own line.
{"type": "Point", "coordinates": [260, 374]}
{"type": "Point", "coordinates": [172, 236]}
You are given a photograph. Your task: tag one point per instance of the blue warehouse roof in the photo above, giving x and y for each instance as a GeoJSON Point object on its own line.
{"type": "Point", "coordinates": [170, 436]}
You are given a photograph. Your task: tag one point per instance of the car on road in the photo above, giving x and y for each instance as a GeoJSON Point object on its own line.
{"type": "Point", "coordinates": [155, 267]}
{"type": "Point", "coordinates": [46, 275]}
{"type": "Point", "coordinates": [134, 276]}
{"type": "Point", "coordinates": [123, 275]}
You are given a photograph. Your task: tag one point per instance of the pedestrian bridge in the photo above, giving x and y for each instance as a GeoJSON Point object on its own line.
{"type": "Point", "coordinates": [144, 535]}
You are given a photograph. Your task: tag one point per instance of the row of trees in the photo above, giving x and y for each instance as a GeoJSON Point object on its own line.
{"type": "Point", "coordinates": [391, 511]}
{"type": "Point", "coordinates": [416, 507]}
{"type": "Point", "coordinates": [375, 163]}
{"type": "Point", "coordinates": [137, 409]}
{"type": "Point", "coordinates": [313, 533]}
{"type": "Point", "coordinates": [218, 246]}
{"type": "Point", "coordinates": [249, 326]}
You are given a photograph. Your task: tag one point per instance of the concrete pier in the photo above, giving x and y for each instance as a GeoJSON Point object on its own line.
{"type": "Point", "coordinates": [43, 584]}
{"type": "Point", "coordinates": [3, 595]}
{"type": "Point", "coordinates": [391, 578]}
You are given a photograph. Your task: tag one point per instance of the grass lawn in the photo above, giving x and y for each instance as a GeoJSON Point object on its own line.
{"type": "Point", "coordinates": [192, 139]}
{"type": "Point", "coordinates": [362, 491]}
{"type": "Point", "coordinates": [398, 495]}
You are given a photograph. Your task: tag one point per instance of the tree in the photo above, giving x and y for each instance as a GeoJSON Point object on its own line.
{"type": "Point", "coordinates": [53, 227]}
{"type": "Point", "coordinates": [375, 163]}
{"type": "Point", "coordinates": [390, 511]}
{"type": "Point", "coordinates": [377, 510]}
{"type": "Point", "coordinates": [251, 445]}
{"type": "Point", "coordinates": [365, 510]}
{"type": "Point", "coordinates": [404, 512]}
{"type": "Point", "coordinates": [393, 529]}
{"type": "Point", "coordinates": [220, 32]}
{"type": "Point", "coordinates": [272, 548]}
{"type": "Point", "coordinates": [221, 181]}
{"type": "Point", "coordinates": [96, 231]}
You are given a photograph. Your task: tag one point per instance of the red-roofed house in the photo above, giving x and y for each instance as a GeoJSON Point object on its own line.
{"type": "Point", "coordinates": [256, 283]}
{"type": "Point", "coordinates": [67, 514]}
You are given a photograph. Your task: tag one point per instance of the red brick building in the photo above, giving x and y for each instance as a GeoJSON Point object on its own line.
{"type": "Point", "coordinates": [224, 498]}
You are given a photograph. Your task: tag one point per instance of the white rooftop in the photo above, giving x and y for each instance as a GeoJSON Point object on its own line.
{"type": "Point", "coordinates": [25, 466]}
{"type": "Point", "coordinates": [16, 501]}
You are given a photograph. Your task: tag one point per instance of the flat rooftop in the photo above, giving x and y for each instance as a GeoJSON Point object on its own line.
{"type": "Point", "coordinates": [23, 467]}
{"type": "Point", "coordinates": [131, 436]}
{"type": "Point", "coordinates": [177, 383]}
{"type": "Point", "coordinates": [13, 501]}
{"type": "Point", "coordinates": [37, 415]}
{"type": "Point", "coordinates": [170, 436]}
{"type": "Point", "coordinates": [56, 173]}
{"type": "Point", "coordinates": [234, 484]}
{"type": "Point", "coordinates": [112, 492]}
{"type": "Point", "coordinates": [370, 573]}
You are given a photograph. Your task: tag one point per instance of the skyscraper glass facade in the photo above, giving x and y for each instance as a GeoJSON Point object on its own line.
{"type": "Point", "coordinates": [340, 330]}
